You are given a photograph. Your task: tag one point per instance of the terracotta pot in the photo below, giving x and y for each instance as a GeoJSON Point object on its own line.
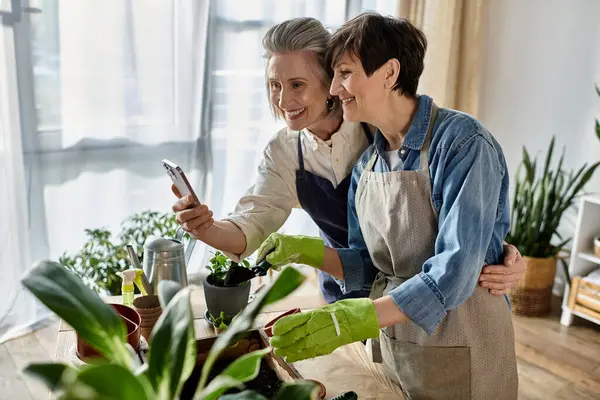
{"type": "Point", "coordinates": [322, 390]}
{"type": "Point", "coordinates": [150, 311]}
{"type": "Point", "coordinates": [132, 320]}
{"type": "Point", "coordinates": [268, 328]}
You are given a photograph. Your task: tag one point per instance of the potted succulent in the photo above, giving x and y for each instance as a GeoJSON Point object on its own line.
{"type": "Point", "coordinates": [220, 297]}
{"type": "Point", "coordinates": [541, 197]}
{"type": "Point", "coordinates": [172, 370]}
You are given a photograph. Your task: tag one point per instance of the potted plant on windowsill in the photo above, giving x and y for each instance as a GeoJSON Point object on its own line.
{"type": "Point", "coordinates": [177, 366]}
{"type": "Point", "coordinates": [541, 197]}
{"type": "Point", "coordinates": [220, 298]}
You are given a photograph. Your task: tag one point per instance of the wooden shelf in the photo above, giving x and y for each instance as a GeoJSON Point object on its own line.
{"type": "Point", "coordinates": [583, 260]}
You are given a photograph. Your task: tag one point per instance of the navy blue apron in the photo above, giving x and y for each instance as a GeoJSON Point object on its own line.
{"type": "Point", "coordinates": [328, 207]}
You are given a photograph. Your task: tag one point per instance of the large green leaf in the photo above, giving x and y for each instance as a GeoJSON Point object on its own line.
{"type": "Point", "coordinates": [298, 391]}
{"type": "Point", "coordinates": [109, 382]}
{"type": "Point", "coordinates": [172, 354]}
{"type": "Point", "coordinates": [166, 291]}
{"type": "Point", "coordinates": [96, 322]}
{"type": "Point", "coordinates": [288, 280]}
{"type": "Point", "coordinates": [217, 386]}
{"type": "Point", "coordinates": [49, 373]}
{"type": "Point", "coordinates": [548, 159]}
{"type": "Point", "coordinates": [242, 370]}
{"type": "Point", "coordinates": [246, 368]}
{"type": "Point", "coordinates": [245, 395]}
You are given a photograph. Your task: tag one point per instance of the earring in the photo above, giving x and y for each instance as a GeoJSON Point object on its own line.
{"type": "Point", "coordinates": [330, 103]}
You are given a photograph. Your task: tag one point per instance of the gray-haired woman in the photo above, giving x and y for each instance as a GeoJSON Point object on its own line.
{"type": "Point", "coordinates": [307, 164]}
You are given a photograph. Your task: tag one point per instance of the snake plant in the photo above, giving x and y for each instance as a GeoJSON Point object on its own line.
{"type": "Point", "coordinates": [541, 197]}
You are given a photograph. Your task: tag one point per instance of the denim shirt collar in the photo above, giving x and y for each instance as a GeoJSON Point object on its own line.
{"type": "Point", "coordinates": [415, 137]}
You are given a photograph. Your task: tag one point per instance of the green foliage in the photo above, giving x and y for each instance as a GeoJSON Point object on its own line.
{"type": "Point", "coordinates": [541, 197]}
{"type": "Point", "coordinates": [172, 353]}
{"type": "Point", "coordinates": [64, 294]}
{"type": "Point", "coordinates": [221, 322]}
{"type": "Point", "coordinates": [219, 265]}
{"type": "Point", "coordinates": [103, 255]}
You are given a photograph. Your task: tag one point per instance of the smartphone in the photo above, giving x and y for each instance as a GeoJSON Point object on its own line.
{"type": "Point", "coordinates": [180, 180]}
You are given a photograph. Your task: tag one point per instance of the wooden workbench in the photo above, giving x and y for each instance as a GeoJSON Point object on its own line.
{"type": "Point", "coordinates": [347, 368]}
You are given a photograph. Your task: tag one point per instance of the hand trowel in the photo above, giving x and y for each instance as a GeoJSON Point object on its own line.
{"type": "Point", "coordinates": [238, 274]}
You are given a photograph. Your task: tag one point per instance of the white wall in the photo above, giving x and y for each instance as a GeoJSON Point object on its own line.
{"type": "Point", "coordinates": [542, 59]}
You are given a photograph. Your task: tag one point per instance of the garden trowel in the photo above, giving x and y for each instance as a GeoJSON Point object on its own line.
{"type": "Point", "coordinates": [238, 274]}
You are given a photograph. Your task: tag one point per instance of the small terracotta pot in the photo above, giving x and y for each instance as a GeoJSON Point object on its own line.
{"type": "Point", "coordinates": [322, 390]}
{"type": "Point", "coordinates": [132, 320]}
{"type": "Point", "coordinates": [268, 328]}
{"type": "Point", "coordinates": [150, 311]}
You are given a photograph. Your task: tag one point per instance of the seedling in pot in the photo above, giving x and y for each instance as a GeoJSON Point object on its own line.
{"type": "Point", "coordinates": [220, 323]}
{"type": "Point", "coordinates": [220, 267]}
{"type": "Point", "coordinates": [226, 273]}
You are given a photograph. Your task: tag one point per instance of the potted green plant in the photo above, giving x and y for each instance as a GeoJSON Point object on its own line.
{"type": "Point", "coordinates": [221, 298]}
{"type": "Point", "coordinates": [172, 349]}
{"type": "Point", "coordinates": [103, 254]}
{"type": "Point", "coordinates": [220, 323]}
{"type": "Point", "coordinates": [541, 197]}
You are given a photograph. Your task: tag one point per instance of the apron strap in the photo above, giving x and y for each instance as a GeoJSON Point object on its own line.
{"type": "Point", "coordinates": [300, 156]}
{"type": "Point", "coordinates": [424, 154]}
{"type": "Point", "coordinates": [371, 161]}
{"type": "Point", "coordinates": [367, 131]}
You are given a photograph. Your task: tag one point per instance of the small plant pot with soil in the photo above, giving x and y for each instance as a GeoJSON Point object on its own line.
{"type": "Point", "coordinates": [229, 300]}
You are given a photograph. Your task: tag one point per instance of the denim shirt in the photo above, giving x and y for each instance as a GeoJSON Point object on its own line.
{"type": "Point", "coordinates": [470, 194]}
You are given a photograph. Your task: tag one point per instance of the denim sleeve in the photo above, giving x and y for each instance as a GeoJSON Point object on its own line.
{"type": "Point", "coordinates": [471, 181]}
{"type": "Point", "coordinates": [359, 271]}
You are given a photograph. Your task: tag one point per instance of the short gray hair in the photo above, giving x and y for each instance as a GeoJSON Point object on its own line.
{"type": "Point", "coordinates": [300, 34]}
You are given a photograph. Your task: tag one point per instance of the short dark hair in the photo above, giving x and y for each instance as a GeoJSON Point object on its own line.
{"type": "Point", "coordinates": [375, 39]}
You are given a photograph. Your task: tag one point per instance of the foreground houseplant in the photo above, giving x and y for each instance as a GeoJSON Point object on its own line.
{"type": "Point", "coordinates": [172, 347]}
{"type": "Point", "coordinates": [103, 255]}
{"type": "Point", "coordinates": [221, 298]}
{"type": "Point", "coordinates": [541, 197]}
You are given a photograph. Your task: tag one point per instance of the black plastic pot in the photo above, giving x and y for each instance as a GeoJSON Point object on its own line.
{"type": "Point", "coordinates": [229, 300]}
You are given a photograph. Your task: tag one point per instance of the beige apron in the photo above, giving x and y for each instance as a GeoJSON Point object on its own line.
{"type": "Point", "coordinates": [471, 354]}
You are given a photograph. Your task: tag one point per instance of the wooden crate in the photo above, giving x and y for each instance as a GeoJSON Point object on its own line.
{"type": "Point", "coordinates": [584, 297]}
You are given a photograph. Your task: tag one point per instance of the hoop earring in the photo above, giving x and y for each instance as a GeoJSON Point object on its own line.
{"type": "Point", "coordinates": [330, 103]}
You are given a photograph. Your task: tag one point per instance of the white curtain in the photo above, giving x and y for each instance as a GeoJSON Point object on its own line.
{"type": "Point", "coordinates": [117, 86]}
{"type": "Point", "coordinates": [108, 89]}
{"type": "Point", "coordinates": [17, 308]}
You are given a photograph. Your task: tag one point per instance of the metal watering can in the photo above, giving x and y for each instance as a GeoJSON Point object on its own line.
{"type": "Point", "coordinates": [164, 259]}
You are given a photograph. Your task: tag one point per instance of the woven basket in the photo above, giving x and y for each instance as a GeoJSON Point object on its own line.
{"type": "Point", "coordinates": [532, 296]}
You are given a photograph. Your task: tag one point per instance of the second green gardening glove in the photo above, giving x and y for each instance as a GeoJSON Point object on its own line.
{"type": "Point", "coordinates": [321, 331]}
{"type": "Point", "coordinates": [280, 250]}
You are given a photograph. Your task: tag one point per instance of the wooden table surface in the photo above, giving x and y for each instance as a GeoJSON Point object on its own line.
{"type": "Point", "coordinates": [347, 368]}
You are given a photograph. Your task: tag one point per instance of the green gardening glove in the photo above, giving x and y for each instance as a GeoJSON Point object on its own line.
{"type": "Point", "coordinates": [280, 250]}
{"type": "Point", "coordinates": [315, 333]}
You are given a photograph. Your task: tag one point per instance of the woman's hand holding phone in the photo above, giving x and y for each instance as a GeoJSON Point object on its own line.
{"type": "Point", "coordinates": [193, 218]}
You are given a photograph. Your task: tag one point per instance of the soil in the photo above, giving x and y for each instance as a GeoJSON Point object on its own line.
{"type": "Point", "coordinates": [266, 383]}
